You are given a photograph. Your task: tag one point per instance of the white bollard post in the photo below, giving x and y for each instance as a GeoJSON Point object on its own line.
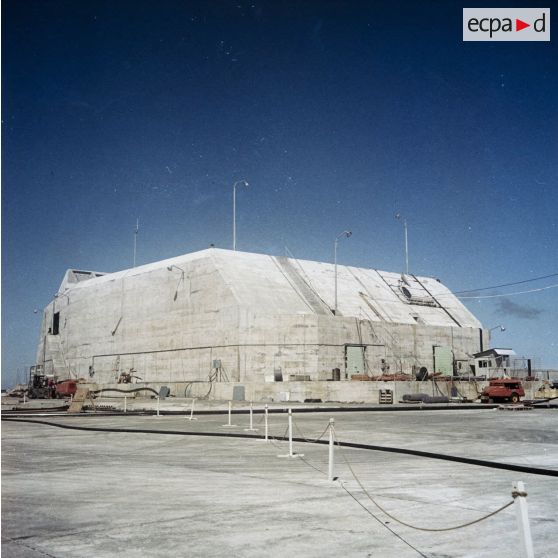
{"type": "Point", "coordinates": [291, 453]}
{"type": "Point", "coordinates": [331, 446]}
{"type": "Point", "coordinates": [125, 403]}
{"type": "Point", "coordinates": [191, 417]}
{"type": "Point", "coordinates": [158, 415]}
{"type": "Point", "coordinates": [229, 425]}
{"type": "Point", "coordinates": [266, 425]}
{"type": "Point", "coordinates": [24, 398]}
{"type": "Point", "coordinates": [520, 497]}
{"type": "Point", "coordinates": [290, 433]}
{"type": "Point", "coordinates": [251, 429]}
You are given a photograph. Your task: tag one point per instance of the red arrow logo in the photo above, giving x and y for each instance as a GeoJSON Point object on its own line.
{"type": "Point", "coordinates": [519, 25]}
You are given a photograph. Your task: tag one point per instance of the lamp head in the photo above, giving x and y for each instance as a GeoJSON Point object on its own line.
{"type": "Point", "coordinates": [343, 234]}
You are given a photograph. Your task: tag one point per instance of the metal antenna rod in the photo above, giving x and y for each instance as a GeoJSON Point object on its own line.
{"type": "Point", "coordinates": [406, 249]}
{"type": "Point", "coordinates": [136, 240]}
{"type": "Point", "coordinates": [398, 216]}
{"type": "Point", "coordinates": [242, 183]}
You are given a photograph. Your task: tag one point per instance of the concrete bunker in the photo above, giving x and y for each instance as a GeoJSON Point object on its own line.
{"type": "Point", "coordinates": [265, 320]}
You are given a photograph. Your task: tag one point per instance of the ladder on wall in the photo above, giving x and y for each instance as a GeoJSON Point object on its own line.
{"type": "Point", "coordinates": [81, 397]}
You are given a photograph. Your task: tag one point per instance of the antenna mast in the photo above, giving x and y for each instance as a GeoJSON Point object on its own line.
{"type": "Point", "coordinates": [136, 240]}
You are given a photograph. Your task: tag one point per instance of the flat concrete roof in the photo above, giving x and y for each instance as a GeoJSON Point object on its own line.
{"type": "Point", "coordinates": [71, 493]}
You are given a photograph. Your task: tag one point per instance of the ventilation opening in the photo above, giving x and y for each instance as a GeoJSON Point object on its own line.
{"type": "Point", "coordinates": [56, 323]}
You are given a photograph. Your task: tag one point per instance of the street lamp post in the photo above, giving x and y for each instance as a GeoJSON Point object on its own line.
{"type": "Point", "coordinates": [136, 231]}
{"type": "Point", "coordinates": [340, 235]}
{"type": "Point", "coordinates": [234, 209]}
{"type": "Point", "coordinates": [182, 273]}
{"type": "Point", "coordinates": [398, 217]}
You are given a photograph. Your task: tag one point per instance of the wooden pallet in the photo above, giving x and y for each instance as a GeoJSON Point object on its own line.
{"type": "Point", "coordinates": [385, 397]}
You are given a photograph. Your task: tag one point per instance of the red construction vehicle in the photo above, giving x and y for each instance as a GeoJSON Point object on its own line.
{"type": "Point", "coordinates": [503, 389]}
{"type": "Point", "coordinates": [42, 386]}
{"type": "Point", "coordinates": [66, 388]}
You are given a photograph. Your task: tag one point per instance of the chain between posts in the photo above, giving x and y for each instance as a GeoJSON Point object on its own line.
{"type": "Point", "coordinates": [518, 494]}
{"type": "Point", "coordinates": [314, 440]}
{"type": "Point", "coordinates": [280, 438]}
{"type": "Point", "coordinates": [330, 427]}
{"type": "Point", "coordinates": [502, 508]}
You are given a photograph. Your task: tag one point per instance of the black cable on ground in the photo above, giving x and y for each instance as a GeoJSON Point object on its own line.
{"type": "Point", "coordinates": [404, 451]}
{"type": "Point", "coordinates": [125, 390]}
{"type": "Point", "coordinates": [284, 410]}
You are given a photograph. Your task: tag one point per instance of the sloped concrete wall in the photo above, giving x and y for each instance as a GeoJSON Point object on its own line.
{"type": "Point", "coordinates": [162, 323]}
{"type": "Point", "coordinates": [171, 321]}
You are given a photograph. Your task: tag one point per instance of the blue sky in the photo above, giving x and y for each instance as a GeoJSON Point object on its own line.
{"type": "Point", "coordinates": [339, 114]}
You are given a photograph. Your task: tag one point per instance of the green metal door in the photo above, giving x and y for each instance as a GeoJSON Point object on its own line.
{"type": "Point", "coordinates": [443, 360]}
{"type": "Point", "coordinates": [354, 357]}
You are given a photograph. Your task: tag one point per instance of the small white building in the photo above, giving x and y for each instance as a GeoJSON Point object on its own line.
{"type": "Point", "coordinates": [496, 363]}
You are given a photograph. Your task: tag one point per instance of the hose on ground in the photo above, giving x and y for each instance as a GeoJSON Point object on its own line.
{"type": "Point", "coordinates": [404, 451]}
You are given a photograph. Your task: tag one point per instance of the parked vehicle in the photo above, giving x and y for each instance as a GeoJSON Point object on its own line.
{"type": "Point", "coordinates": [66, 388]}
{"type": "Point", "coordinates": [41, 387]}
{"type": "Point", "coordinates": [503, 389]}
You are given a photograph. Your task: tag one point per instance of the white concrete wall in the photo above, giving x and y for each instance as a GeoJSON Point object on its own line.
{"type": "Point", "coordinates": [244, 310]}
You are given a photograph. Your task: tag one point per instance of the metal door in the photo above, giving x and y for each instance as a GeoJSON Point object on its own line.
{"type": "Point", "coordinates": [443, 360]}
{"type": "Point", "coordinates": [354, 359]}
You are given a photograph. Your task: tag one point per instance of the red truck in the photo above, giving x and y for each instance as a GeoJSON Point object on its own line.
{"type": "Point", "coordinates": [503, 389]}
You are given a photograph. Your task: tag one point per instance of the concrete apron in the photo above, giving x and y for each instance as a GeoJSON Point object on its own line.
{"type": "Point", "coordinates": [341, 391]}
